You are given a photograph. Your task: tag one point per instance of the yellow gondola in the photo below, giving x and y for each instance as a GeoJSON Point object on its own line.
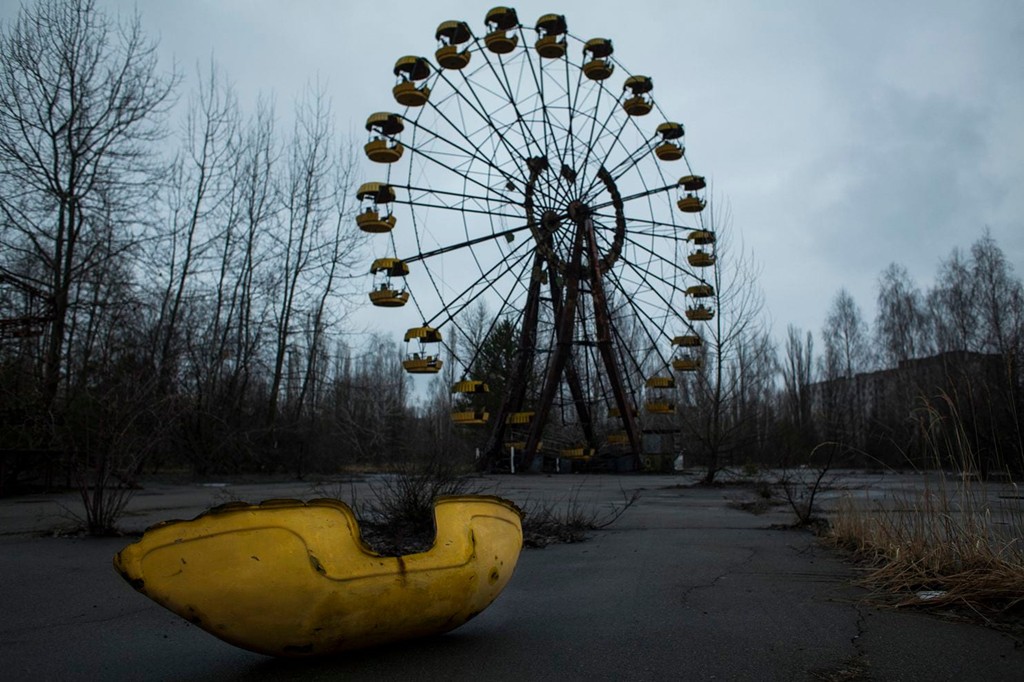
{"type": "Point", "coordinates": [470, 417]}
{"type": "Point", "coordinates": [692, 183]}
{"type": "Point", "coordinates": [410, 69]}
{"type": "Point", "coordinates": [451, 34]}
{"type": "Point", "coordinates": [550, 45]}
{"type": "Point", "coordinates": [700, 291]}
{"type": "Point", "coordinates": [660, 407]}
{"type": "Point", "coordinates": [690, 204]}
{"type": "Point", "coordinates": [669, 151]}
{"type": "Point", "coordinates": [700, 313]}
{"type": "Point", "coordinates": [379, 149]}
{"type": "Point", "coordinates": [499, 43]}
{"type": "Point", "coordinates": [701, 259]}
{"type": "Point", "coordinates": [371, 222]}
{"type": "Point", "coordinates": [500, 21]}
{"type": "Point", "coordinates": [687, 364]}
{"type": "Point", "coordinates": [392, 267]}
{"type": "Point", "coordinates": [291, 578]}
{"type": "Point", "coordinates": [449, 57]}
{"type": "Point", "coordinates": [422, 362]}
{"type": "Point", "coordinates": [385, 295]}
{"type": "Point", "coordinates": [503, 18]}
{"type": "Point", "coordinates": [640, 104]}
{"type": "Point", "coordinates": [669, 130]}
{"type": "Point", "coordinates": [407, 94]}
{"type": "Point", "coordinates": [660, 382]}
{"type": "Point", "coordinates": [687, 341]}
{"type": "Point", "coordinates": [470, 386]}
{"type": "Point", "coordinates": [598, 67]}
{"type": "Point", "coordinates": [577, 453]}
{"type": "Point", "coordinates": [637, 106]}
{"type": "Point", "coordinates": [701, 237]}
{"type": "Point", "coordinates": [520, 418]}
{"type": "Point", "coordinates": [377, 192]}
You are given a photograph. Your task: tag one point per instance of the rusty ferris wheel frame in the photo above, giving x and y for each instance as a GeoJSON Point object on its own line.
{"type": "Point", "coordinates": [525, 167]}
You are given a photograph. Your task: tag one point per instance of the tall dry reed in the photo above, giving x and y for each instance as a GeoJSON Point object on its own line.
{"type": "Point", "coordinates": [954, 540]}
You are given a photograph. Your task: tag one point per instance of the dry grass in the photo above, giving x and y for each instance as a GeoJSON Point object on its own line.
{"type": "Point", "coordinates": [952, 543]}
{"type": "Point", "coordinates": [956, 542]}
{"type": "Point", "coordinates": [570, 519]}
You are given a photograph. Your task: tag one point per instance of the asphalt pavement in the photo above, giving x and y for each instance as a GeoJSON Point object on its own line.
{"type": "Point", "coordinates": [684, 586]}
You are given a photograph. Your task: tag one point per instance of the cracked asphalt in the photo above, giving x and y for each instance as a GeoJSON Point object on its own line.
{"type": "Point", "coordinates": [683, 586]}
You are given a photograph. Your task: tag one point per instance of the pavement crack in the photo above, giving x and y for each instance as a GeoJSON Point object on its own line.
{"type": "Point", "coordinates": [735, 568]}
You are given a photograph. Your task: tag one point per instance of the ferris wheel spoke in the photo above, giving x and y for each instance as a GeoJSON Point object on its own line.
{"type": "Point", "coordinates": [633, 158]}
{"type": "Point", "coordinates": [424, 255]}
{"type": "Point", "coordinates": [538, 81]}
{"type": "Point", "coordinates": [467, 157]}
{"type": "Point", "coordinates": [480, 110]}
{"type": "Point", "coordinates": [642, 314]}
{"type": "Point", "coordinates": [665, 259]}
{"type": "Point", "coordinates": [438, 193]}
{"type": "Point", "coordinates": [462, 209]}
{"type": "Point", "coordinates": [506, 86]}
{"type": "Point", "coordinates": [476, 285]}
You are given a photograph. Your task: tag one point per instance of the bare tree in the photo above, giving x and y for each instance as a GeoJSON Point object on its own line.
{"type": "Point", "coordinates": [999, 297]}
{"type": "Point", "coordinates": [81, 100]}
{"type": "Point", "coordinates": [316, 236]}
{"type": "Point", "coordinates": [845, 338]}
{"type": "Point", "coordinates": [951, 306]}
{"type": "Point", "coordinates": [797, 376]}
{"type": "Point", "coordinates": [198, 190]}
{"type": "Point", "coordinates": [731, 341]}
{"type": "Point", "coordinates": [901, 319]}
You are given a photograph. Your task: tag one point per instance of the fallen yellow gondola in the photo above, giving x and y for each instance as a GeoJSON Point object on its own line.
{"type": "Point", "coordinates": [290, 578]}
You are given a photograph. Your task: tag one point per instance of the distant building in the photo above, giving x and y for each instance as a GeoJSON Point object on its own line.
{"type": "Point", "coordinates": [905, 416]}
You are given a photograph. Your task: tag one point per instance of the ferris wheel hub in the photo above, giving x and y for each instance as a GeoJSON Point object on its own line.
{"type": "Point", "coordinates": [578, 211]}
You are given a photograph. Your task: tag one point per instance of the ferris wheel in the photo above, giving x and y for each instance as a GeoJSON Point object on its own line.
{"type": "Point", "coordinates": [527, 168]}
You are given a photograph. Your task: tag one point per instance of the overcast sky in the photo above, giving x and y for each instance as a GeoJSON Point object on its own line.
{"type": "Point", "coordinates": [844, 136]}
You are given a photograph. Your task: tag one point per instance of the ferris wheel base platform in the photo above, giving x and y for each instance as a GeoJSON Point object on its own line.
{"type": "Point", "coordinates": [290, 578]}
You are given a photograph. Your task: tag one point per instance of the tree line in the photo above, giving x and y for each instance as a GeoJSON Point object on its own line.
{"type": "Point", "coordinates": [177, 270]}
{"type": "Point", "coordinates": [175, 273]}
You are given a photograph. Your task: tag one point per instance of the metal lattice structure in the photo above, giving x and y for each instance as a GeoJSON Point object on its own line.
{"type": "Point", "coordinates": [527, 167]}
